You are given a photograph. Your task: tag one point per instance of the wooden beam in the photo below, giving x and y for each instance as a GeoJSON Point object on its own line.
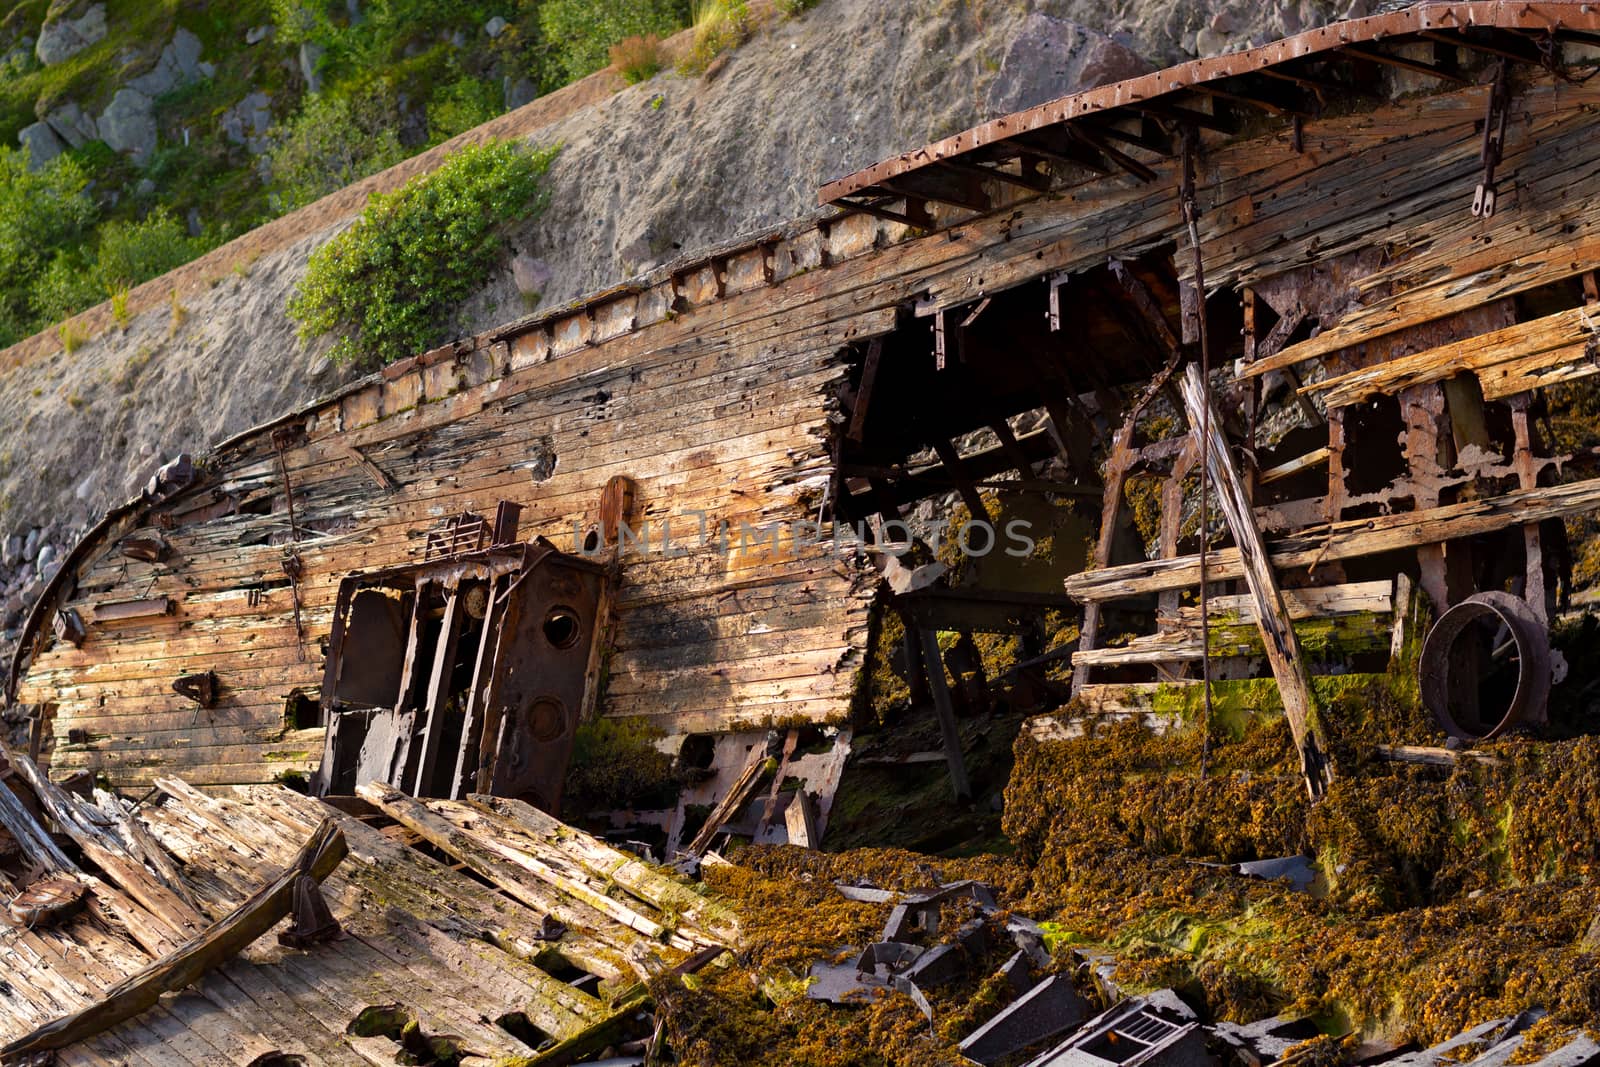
{"type": "Point", "coordinates": [933, 663]}
{"type": "Point", "coordinates": [1272, 615]}
{"type": "Point", "coordinates": [1498, 357]}
{"type": "Point", "coordinates": [869, 377]}
{"type": "Point", "coordinates": [1349, 539]}
{"type": "Point", "coordinates": [1416, 66]}
{"type": "Point", "coordinates": [211, 949]}
{"type": "Point", "coordinates": [742, 790]}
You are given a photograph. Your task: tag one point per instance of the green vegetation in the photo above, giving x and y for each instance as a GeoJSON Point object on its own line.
{"type": "Point", "coordinates": [392, 79]}
{"type": "Point", "coordinates": [333, 141]}
{"type": "Point", "coordinates": [387, 284]}
{"type": "Point", "coordinates": [39, 212]}
{"type": "Point", "coordinates": [718, 26]}
{"type": "Point", "coordinates": [582, 32]}
{"type": "Point", "coordinates": [637, 59]}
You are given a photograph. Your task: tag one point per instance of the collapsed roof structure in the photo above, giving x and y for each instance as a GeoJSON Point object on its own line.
{"type": "Point", "coordinates": [1313, 293]}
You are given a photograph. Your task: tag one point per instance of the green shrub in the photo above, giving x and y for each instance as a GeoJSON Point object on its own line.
{"type": "Point", "coordinates": [718, 26]}
{"type": "Point", "coordinates": [67, 286]}
{"type": "Point", "coordinates": [388, 283]}
{"type": "Point", "coordinates": [40, 212]}
{"type": "Point", "coordinates": [581, 32]}
{"type": "Point", "coordinates": [134, 252]}
{"type": "Point", "coordinates": [458, 106]}
{"type": "Point", "coordinates": [332, 142]}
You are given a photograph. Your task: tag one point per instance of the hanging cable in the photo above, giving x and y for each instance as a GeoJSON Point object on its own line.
{"type": "Point", "coordinates": [1191, 218]}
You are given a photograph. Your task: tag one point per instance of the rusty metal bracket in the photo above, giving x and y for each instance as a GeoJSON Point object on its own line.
{"type": "Point", "coordinates": [1494, 137]}
{"type": "Point", "coordinates": [202, 688]}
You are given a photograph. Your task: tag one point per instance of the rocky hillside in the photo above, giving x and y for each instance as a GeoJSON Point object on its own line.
{"type": "Point", "coordinates": [644, 174]}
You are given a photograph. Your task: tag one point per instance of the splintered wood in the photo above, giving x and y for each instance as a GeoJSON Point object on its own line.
{"type": "Point", "coordinates": [421, 939]}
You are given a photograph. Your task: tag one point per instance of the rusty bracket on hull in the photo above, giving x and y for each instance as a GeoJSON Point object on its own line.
{"type": "Point", "coordinates": [1494, 139]}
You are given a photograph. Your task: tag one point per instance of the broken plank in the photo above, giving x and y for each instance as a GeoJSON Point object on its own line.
{"type": "Point", "coordinates": [1272, 616]}
{"type": "Point", "coordinates": [211, 949]}
{"type": "Point", "coordinates": [513, 879]}
{"type": "Point", "coordinates": [1349, 539]}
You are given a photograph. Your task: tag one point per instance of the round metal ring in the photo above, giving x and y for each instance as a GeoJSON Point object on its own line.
{"type": "Point", "coordinates": [1533, 662]}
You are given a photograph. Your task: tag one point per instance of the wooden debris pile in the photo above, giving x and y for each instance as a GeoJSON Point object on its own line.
{"type": "Point", "coordinates": [480, 928]}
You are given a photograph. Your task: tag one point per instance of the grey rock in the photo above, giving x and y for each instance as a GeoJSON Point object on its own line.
{"type": "Point", "coordinates": [179, 64]}
{"type": "Point", "coordinates": [458, 39]}
{"type": "Point", "coordinates": [257, 34]}
{"type": "Point", "coordinates": [146, 187]}
{"type": "Point", "coordinates": [128, 123]}
{"type": "Point", "coordinates": [65, 38]}
{"type": "Point", "coordinates": [495, 27]}
{"type": "Point", "coordinates": [72, 124]}
{"type": "Point", "coordinates": [310, 59]}
{"type": "Point", "coordinates": [1051, 58]}
{"type": "Point", "coordinates": [30, 544]}
{"type": "Point", "coordinates": [185, 48]}
{"type": "Point", "coordinates": [41, 143]}
{"type": "Point", "coordinates": [11, 555]}
{"type": "Point", "coordinates": [47, 556]}
{"type": "Point", "coordinates": [11, 612]}
{"type": "Point", "coordinates": [193, 222]}
{"type": "Point", "coordinates": [519, 92]}
{"type": "Point", "coordinates": [247, 122]}
{"type": "Point", "coordinates": [206, 70]}
{"type": "Point", "coordinates": [531, 276]}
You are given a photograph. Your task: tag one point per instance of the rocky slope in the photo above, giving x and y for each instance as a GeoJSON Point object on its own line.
{"type": "Point", "coordinates": [643, 176]}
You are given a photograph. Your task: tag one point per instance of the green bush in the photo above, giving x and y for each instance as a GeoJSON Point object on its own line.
{"type": "Point", "coordinates": [581, 32]}
{"type": "Point", "coordinates": [388, 284]}
{"type": "Point", "coordinates": [460, 105]}
{"type": "Point", "coordinates": [40, 212]}
{"type": "Point", "coordinates": [134, 252]}
{"type": "Point", "coordinates": [718, 26]}
{"type": "Point", "coordinates": [332, 142]}
{"type": "Point", "coordinates": [65, 287]}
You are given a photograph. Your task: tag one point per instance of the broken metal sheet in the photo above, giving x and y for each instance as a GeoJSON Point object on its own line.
{"type": "Point", "coordinates": [1048, 1010]}
{"type": "Point", "coordinates": [1296, 870]}
{"type": "Point", "coordinates": [1265, 1040]}
{"type": "Point", "coordinates": [1157, 1028]}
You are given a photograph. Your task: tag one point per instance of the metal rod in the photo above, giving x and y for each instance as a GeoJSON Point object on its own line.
{"type": "Point", "coordinates": [1191, 216]}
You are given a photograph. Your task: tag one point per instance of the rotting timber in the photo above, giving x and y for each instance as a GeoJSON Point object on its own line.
{"type": "Point", "coordinates": [1395, 223]}
{"type": "Point", "coordinates": [1277, 335]}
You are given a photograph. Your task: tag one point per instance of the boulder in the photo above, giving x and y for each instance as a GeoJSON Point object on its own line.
{"type": "Point", "coordinates": [128, 123]}
{"type": "Point", "coordinates": [531, 276]}
{"type": "Point", "coordinates": [495, 27]}
{"type": "Point", "coordinates": [41, 143]}
{"type": "Point", "coordinates": [64, 38]}
{"type": "Point", "coordinates": [256, 34]}
{"type": "Point", "coordinates": [72, 124]}
{"type": "Point", "coordinates": [519, 92]}
{"type": "Point", "coordinates": [178, 65]}
{"type": "Point", "coordinates": [247, 122]}
{"type": "Point", "coordinates": [46, 565]}
{"type": "Point", "coordinates": [1051, 58]}
{"type": "Point", "coordinates": [11, 555]}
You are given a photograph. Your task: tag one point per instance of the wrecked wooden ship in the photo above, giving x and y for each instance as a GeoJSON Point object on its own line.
{"type": "Point", "coordinates": [432, 578]}
{"type": "Point", "coordinates": [1311, 297]}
